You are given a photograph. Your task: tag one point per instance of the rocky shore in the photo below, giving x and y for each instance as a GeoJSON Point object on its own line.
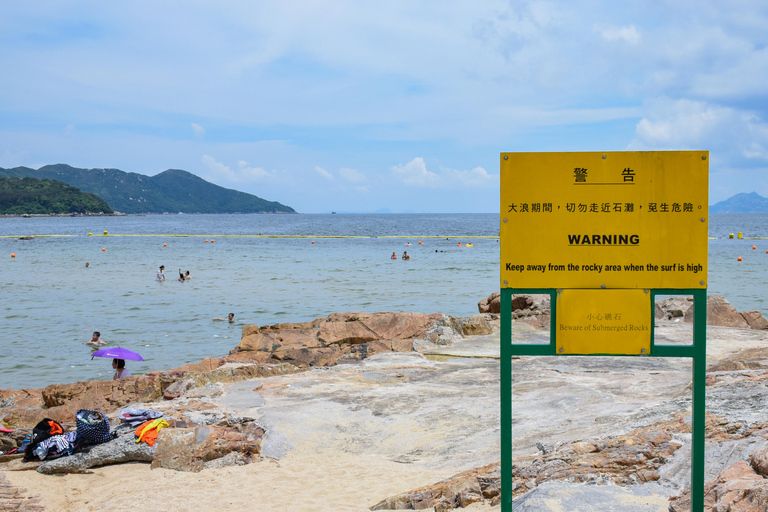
{"type": "Point", "coordinates": [399, 401]}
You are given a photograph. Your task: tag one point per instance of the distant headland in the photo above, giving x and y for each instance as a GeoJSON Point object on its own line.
{"type": "Point", "coordinates": [171, 191]}
{"type": "Point", "coordinates": [741, 203]}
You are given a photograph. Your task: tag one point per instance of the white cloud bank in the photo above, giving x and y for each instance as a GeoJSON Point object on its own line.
{"type": "Point", "coordinates": [415, 174]}
{"type": "Point", "coordinates": [243, 174]}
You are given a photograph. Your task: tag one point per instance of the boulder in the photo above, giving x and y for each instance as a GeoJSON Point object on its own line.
{"type": "Point", "coordinates": [755, 320]}
{"type": "Point", "coordinates": [738, 488]}
{"type": "Point", "coordinates": [195, 449]}
{"type": "Point", "coordinates": [120, 450]}
{"type": "Point", "coordinates": [476, 325]}
{"type": "Point", "coordinates": [720, 312]}
{"type": "Point", "coordinates": [672, 307]}
{"type": "Point", "coordinates": [491, 304]}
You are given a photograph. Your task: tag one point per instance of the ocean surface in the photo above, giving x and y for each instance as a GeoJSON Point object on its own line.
{"type": "Point", "coordinates": [50, 303]}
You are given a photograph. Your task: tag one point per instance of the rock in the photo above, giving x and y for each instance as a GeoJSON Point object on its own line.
{"type": "Point", "coordinates": [176, 389]}
{"type": "Point", "coordinates": [759, 461]}
{"type": "Point", "coordinates": [561, 496]}
{"type": "Point", "coordinates": [349, 336]}
{"type": "Point", "coordinates": [755, 320]}
{"type": "Point", "coordinates": [738, 488]}
{"type": "Point", "coordinates": [194, 449]}
{"type": "Point", "coordinates": [476, 325]}
{"type": "Point", "coordinates": [720, 312]}
{"type": "Point", "coordinates": [672, 307]}
{"type": "Point", "coordinates": [491, 304]}
{"type": "Point", "coordinates": [475, 485]}
{"type": "Point", "coordinates": [120, 450]}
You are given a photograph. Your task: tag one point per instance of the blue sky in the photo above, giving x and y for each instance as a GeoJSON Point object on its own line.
{"type": "Point", "coordinates": [357, 106]}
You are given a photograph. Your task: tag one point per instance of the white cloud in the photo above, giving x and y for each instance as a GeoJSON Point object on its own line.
{"type": "Point", "coordinates": [684, 124]}
{"type": "Point", "coordinates": [477, 177]}
{"type": "Point", "coordinates": [244, 172]}
{"type": "Point", "coordinates": [198, 130]}
{"type": "Point", "coordinates": [325, 174]}
{"type": "Point", "coordinates": [351, 174]}
{"type": "Point", "coordinates": [415, 173]}
{"type": "Point", "coordinates": [627, 34]}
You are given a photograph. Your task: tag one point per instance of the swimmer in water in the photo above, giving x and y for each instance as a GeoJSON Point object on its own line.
{"type": "Point", "coordinates": [394, 256]}
{"type": "Point", "coordinates": [96, 340]}
{"type": "Point", "coordinates": [230, 318]}
{"type": "Point", "coordinates": [160, 275]}
{"type": "Point", "coordinates": [181, 276]}
{"type": "Point", "coordinates": [406, 256]}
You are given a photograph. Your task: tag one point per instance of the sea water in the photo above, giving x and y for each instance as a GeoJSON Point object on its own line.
{"type": "Point", "coordinates": [50, 303]}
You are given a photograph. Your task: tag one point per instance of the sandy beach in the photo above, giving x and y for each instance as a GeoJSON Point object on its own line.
{"type": "Point", "coordinates": [302, 481]}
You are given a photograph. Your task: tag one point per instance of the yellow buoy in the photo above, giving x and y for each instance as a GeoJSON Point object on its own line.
{"type": "Point", "coordinates": [105, 233]}
{"type": "Point", "coordinates": [730, 235]}
{"type": "Point", "coordinates": [739, 235]}
{"type": "Point", "coordinates": [90, 234]}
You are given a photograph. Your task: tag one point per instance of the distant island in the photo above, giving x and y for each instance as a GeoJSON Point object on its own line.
{"type": "Point", "coordinates": [172, 191]}
{"type": "Point", "coordinates": [20, 196]}
{"type": "Point", "coordinates": [741, 203]}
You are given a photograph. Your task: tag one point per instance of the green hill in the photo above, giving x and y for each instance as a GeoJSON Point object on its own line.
{"type": "Point", "coordinates": [172, 191]}
{"type": "Point", "coordinates": [33, 196]}
{"type": "Point", "coordinates": [741, 203]}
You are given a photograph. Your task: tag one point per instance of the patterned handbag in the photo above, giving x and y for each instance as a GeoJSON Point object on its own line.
{"type": "Point", "coordinates": [92, 428]}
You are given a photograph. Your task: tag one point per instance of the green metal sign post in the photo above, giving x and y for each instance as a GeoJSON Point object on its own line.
{"type": "Point", "coordinates": [697, 352]}
{"type": "Point", "coordinates": [603, 234]}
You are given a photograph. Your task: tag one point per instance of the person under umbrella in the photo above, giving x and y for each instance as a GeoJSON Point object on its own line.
{"type": "Point", "coordinates": [118, 355]}
{"type": "Point", "coordinates": [120, 371]}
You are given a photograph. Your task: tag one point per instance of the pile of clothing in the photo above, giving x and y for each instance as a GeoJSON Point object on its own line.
{"type": "Point", "coordinates": [49, 441]}
{"type": "Point", "coordinates": [149, 423]}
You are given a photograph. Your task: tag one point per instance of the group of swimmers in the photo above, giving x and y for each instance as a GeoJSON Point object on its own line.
{"type": "Point", "coordinates": [405, 256]}
{"type": "Point", "coordinates": [183, 276]}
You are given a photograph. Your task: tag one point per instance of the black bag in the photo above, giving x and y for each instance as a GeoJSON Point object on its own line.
{"type": "Point", "coordinates": [92, 428]}
{"type": "Point", "coordinates": [43, 430]}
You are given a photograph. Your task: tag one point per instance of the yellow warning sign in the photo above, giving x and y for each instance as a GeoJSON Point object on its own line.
{"type": "Point", "coordinates": [604, 322]}
{"type": "Point", "coordinates": [613, 219]}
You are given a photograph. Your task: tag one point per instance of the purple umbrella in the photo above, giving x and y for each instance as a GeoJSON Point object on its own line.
{"type": "Point", "coordinates": [117, 353]}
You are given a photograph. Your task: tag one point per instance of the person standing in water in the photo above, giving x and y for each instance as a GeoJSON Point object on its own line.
{"type": "Point", "coordinates": [96, 340]}
{"type": "Point", "coordinates": [160, 275]}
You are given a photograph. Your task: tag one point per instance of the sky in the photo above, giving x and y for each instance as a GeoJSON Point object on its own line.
{"type": "Point", "coordinates": [359, 106]}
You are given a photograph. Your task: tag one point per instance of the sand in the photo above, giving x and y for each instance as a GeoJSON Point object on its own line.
{"type": "Point", "coordinates": [299, 482]}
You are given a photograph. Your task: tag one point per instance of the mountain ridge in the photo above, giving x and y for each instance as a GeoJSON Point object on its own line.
{"type": "Point", "coordinates": [172, 190]}
{"type": "Point", "coordinates": [741, 203]}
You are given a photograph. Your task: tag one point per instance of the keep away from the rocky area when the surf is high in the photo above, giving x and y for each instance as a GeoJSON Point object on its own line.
{"type": "Point", "coordinates": [417, 394]}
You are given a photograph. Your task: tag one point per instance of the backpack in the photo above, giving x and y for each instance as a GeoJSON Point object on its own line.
{"type": "Point", "coordinates": [45, 429]}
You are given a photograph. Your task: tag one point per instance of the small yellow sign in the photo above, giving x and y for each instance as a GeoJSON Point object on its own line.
{"type": "Point", "coordinates": [613, 219]}
{"type": "Point", "coordinates": [614, 322]}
